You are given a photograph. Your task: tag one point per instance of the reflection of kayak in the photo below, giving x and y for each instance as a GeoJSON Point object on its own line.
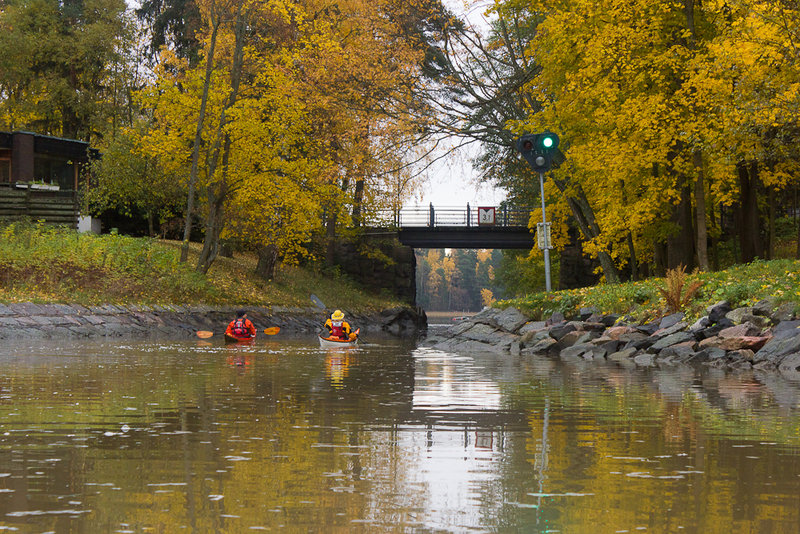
{"type": "Point", "coordinates": [329, 342]}
{"type": "Point", "coordinates": [230, 338]}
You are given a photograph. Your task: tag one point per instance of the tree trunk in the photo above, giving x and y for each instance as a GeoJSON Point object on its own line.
{"type": "Point", "coordinates": [267, 261]}
{"type": "Point", "coordinates": [771, 241]}
{"type": "Point", "coordinates": [151, 229]}
{"type": "Point", "coordinates": [218, 190]}
{"type": "Point", "coordinates": [330, 238]}
{"type": "Point", "coordinates": [680, 246]}
{"type": "Point", "coordinates": [632, 253]}
{"type": "Point", "coordinates": [358, 198]}
{"type": "Point", "coordinates": [749, 227]}
{"type": "Point", "coordinates": [584, 216]}
{"type": "Point", "coordinates": [198, 139]}
{"type": "Point", "coordinates": [700, 214]}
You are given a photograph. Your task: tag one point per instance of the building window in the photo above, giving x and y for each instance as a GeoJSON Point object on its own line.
{"type": "Point", "coordinates": [54, 170]}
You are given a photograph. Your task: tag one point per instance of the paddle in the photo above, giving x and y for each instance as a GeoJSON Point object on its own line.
{"type": "Point", "coordinates": [205, 334]}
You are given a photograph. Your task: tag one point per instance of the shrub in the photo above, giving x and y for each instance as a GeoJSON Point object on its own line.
{"type": "Point", "coordinates": [673, 292]}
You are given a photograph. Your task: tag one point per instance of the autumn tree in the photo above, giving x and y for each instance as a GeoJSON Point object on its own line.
{"type": "Point", "coordinates": [62, 65]}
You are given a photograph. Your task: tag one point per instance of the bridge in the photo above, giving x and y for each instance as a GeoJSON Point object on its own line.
{"type": "Point", "coordinates": [458, 227]}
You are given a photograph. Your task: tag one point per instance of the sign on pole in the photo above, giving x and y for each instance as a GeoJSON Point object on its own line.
{"type": "Point", "coordinates": [543, 235]}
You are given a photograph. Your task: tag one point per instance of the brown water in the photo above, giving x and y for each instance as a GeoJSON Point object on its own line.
{"type": "Point", "coordinates": [186, 436]}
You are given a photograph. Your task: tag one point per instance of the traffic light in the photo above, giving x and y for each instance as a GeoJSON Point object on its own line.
{"type": "Point", "coordinates": [540, 150]}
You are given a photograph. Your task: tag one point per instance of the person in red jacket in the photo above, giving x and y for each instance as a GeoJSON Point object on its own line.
{"type": "Point", "coordinates": [241, 327]}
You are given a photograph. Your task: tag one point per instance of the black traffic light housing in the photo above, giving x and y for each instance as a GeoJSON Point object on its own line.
{"type": "Point", "coordinates": [540, 150]}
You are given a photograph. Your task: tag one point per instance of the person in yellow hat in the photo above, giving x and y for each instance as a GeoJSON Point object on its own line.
{"type": "Point", "coordinates": [337, 326]}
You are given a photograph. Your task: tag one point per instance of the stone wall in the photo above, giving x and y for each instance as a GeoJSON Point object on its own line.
{"type": "Point", "coordinates": [763, 337]}
{"type": "Point", "coordinates": [28, 320]}
{"type": "Point", "coordinates": [396, 276]}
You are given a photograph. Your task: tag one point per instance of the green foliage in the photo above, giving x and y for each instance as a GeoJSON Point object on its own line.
{"type": "Point", "coordinates": [741, 285]}
{"type": "Point", "coordinates": [63, 265]}
{"type": "Point", "coordinates": [40, 263]}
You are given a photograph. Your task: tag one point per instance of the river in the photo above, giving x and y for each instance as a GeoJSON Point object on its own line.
{"type": "Point", "coordinates": [194, 436]}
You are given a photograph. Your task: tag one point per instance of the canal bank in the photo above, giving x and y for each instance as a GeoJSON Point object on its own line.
{"type": "Point", "coordinates": [765, 337]}
{"type": "Point", "coordinates": [29, 320]}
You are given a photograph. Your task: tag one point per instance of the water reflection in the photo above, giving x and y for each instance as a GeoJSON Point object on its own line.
{"type": "Point", "coordinates": [164, 436]}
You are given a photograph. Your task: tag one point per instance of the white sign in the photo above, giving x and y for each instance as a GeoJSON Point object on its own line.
{"type": "Point", "coordinates": [486, 216]}
{"type": "Point", "coordinates": [543, 235]}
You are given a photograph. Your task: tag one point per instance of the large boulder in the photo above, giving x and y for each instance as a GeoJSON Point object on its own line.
{"type": "Point", "coordinates": [785, 340]}
{"type": "Point", "coordinates": [510, 319]}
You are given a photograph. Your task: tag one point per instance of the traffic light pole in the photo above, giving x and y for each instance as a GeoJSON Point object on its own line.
{"type": "Point", "coordinates": [547, 243]}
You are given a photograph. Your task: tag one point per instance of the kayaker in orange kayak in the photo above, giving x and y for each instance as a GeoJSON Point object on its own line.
{"type": "Point", "coordinates": [337, 326]}
{"type": "Point", "coordinates": [241, 327]}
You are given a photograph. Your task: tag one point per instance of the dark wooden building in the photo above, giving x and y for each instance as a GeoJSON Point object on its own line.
{"type": "Point", "coordinates": [39, 176]}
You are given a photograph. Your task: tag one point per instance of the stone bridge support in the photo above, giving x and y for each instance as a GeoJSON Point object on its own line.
{"type": "Point", "coordinates": [381, 264]}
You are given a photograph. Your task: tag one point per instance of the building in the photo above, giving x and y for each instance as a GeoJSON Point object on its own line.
{"type": "Point", "coordinates": [39, 176]}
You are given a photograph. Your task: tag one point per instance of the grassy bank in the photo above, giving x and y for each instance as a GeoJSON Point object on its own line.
{"type": "Point", "coordinates": [46, 264]}
{"type": "Point", "coordinates": [741, 285]}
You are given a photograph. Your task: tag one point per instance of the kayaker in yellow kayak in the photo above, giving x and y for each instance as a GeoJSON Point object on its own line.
{"type": "Point", "coordinates": [337, 326]}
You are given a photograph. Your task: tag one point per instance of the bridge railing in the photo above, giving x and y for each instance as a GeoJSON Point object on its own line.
{"type": "Point", "coordinates": [467, 216]}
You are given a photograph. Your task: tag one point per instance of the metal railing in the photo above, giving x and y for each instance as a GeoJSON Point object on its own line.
{"type": "Point", "coordinates": [467, 216]}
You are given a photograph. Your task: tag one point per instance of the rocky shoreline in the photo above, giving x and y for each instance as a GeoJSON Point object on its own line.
{"type": "Point", "coordinates": [29, 320]}
{"type": "Point", "coordinates": [765, 336]}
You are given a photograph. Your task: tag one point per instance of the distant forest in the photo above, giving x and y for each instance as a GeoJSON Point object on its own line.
{"type": "Point", "coordinates": [468, 280]}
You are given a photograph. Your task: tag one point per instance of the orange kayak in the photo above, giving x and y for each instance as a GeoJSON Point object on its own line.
{"type": "Point", "coordinates": [230, 338]}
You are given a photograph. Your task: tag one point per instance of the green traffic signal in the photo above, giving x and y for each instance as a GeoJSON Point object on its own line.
{"type": "Point", "coordinates": [540, 150]}
{"type": "Point", "coordinates": [548, 140]}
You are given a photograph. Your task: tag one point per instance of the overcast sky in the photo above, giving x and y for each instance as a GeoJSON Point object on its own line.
{"type": "Point", "coordinates": [452, 181]}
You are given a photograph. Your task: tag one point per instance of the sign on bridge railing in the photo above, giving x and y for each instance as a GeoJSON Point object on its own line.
{"type": "Point", "coordinates": [451, 216]}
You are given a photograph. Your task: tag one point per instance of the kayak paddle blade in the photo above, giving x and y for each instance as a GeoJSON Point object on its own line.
{"type": "Point", "coordinates": [272, 330]}
{"type": "Point", "coordinates": [204, 334]}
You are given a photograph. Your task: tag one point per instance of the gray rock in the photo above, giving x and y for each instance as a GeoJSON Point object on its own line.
{"type": "Point", "coordinates": [758, 320]}
{"type": "Point", "coordinates": [672, 339]}
{"type": "Point", "coordinates": [737, 314]}
{"type": "Point", "coordinates": [681, 351]}
{"type": "Point", "coordinates": [784, 312]}
{"type": "Point", "coordinates": [557, 332]}
{"type": "Point", "coordinates": [572, 338]}
{"type": "Point", "coordinates": [632, 336]}
{"type": "Point", "coordinates": [624, 354]}
{"type": "Point", "coordinates": [765, 307]}
{"type": "Point", "coordinates": [460, 328]}
{"type": "Point", "coordinates": [717, 311]}
{"type": "Point", "coordinates": [701, 323]}
{"type": "Point", "coordinates": [510, 319]}
{"type": "Point", "coordinates": [585, 313]}
{"type": "Point", "coordinates": [533, 326]}
{"type": "Point", "coordinates": [670, 320]}
{"type": "Point", "coordinates": [644, 360]}
{"type": "Point", "coordinates": [556, 318]}
{"type": "Point", "coordinates": [677, 327]}
{"type": "Point", "coordinates": [648, 328]}
{"type": "Point", "coordinates": [790, 366]}
{"type": "Point", "coordinates": [576, 350]}
{"type": "Point", "coordinates": [481, 332]}
{"type": "Point", "coordinates": [609, 319]}
{"type": "Point", "coordinates": [785, 340]}
{"type": "Point", "coordinates": [741, 354]}
{"type": "Point", "coordinates": [543, 346]}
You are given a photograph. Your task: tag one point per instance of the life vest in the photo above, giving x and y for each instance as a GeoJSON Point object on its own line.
{"type": "Point", "coordinates": [337, 328]}
{"type": "Point", "coordinates": [239, 329]}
